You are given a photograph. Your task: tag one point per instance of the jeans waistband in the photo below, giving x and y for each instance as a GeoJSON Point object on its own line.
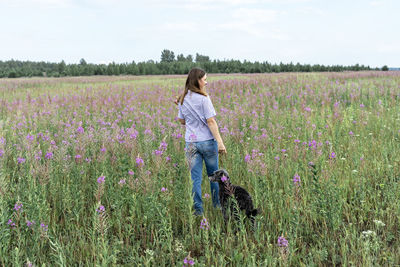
{"type": "Point", "coordinates": [200, 142]}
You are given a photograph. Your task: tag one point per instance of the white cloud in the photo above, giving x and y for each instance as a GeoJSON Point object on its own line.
{"type": "Point", "coordinates": [261, 23]}
{"type": "Point", "coordinates": [376, 3]}
{"type": "Point", "coordinates": [37, 3]}
{"type": "Point", "coordinates": [204, 5]}
{"type": "Point", "coordinates": [308, 10]}
{"type": "Point", "coordinates": [179, 26]}
{"type": "Point", "coordinates": [241, 2]}
{"type": "Point", "coordinates": [254, 16]}
{"type": "Point", "coordinates": [389, 48]}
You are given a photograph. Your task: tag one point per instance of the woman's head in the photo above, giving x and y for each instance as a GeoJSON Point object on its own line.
{"type": "Point", "coordinates": [194, 79]}
{"type": "Point", "coordinates": [195, 82]}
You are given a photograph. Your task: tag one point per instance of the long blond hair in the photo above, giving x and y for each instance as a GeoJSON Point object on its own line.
{"type": "Point", "coordinates": [192, 83]}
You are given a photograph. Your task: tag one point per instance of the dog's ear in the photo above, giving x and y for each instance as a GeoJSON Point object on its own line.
{"type": "Point", "coordinates": [217, 173]}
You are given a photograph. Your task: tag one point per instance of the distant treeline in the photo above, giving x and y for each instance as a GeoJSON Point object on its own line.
{"type": "Point", "coordinates": [169, 64]}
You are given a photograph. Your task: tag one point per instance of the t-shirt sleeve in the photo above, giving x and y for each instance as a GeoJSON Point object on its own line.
{"type": "Point", "coordinates": [180, 115]}
{"type": "Point", "coordinates": [208, 108]}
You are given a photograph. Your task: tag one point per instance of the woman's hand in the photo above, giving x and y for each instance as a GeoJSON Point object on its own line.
{"type": "Point", "coordinates": [176, 100]}
{"type": "Point", "coordinates": [221, 148]}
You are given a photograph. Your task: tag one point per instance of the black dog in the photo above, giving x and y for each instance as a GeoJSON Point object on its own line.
{"type": "Point", "coordinates": [227, 190]}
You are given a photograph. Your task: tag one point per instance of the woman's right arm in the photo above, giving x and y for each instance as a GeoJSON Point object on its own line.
{"type": "Point", "coordinates": [212, 124]}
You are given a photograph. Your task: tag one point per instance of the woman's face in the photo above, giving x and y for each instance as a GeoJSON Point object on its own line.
{"type": "Point", "coordinates": [203, 82]}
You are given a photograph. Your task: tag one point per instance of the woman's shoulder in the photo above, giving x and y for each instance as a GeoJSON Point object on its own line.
{"type": "Point", "coordinates": [198, 97]}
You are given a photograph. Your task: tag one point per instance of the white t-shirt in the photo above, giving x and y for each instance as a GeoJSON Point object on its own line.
{"type": "Point", "coordinates": [195, 110]}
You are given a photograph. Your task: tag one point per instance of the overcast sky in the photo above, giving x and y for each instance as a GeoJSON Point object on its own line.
{"type": "Point", "coordinates": [101, 31]}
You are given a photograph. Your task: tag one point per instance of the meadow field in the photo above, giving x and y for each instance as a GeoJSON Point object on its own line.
{"type": "Point", "coordinates": [93, 171]}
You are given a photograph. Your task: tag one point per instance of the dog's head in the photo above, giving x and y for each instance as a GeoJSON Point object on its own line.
{"type": "Point", "coordinates": [219, 176]}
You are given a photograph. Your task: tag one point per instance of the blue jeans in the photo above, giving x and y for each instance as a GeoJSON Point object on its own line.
{"type": "Point", "coordinates": [196, 152]}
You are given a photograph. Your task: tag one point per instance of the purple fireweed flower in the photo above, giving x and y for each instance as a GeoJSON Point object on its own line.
{"type": "Point", "coordinates": [163, 189]}
{"type": "Point", "coordinates": [307, 109]}
{"type": "Point", "coordinates": [38, 155]}
{"type": "Point", "coordinates": [101, 209]}
{"type": "Point", "coordinates": [21, 160]}
{"type": "Point", "coordinates": [101, 179]}
{"type": "Point", "coordinates": [1, 153]}
{"type": "Point", "coordinates": [247, 158]}
{"type": "Point", "coordinates": [277, 158]}
{"type": "Point", "coordinates": [362, 105]}
{"type": "Point", "coordinates": [17, 206]}
{"type": "Point", "coordinates": [163, 146]}
{"type": "Point", "coordinates": [49, 155]}
{"type": "Point", "coordinates": [167, 158]}
{"type": "Point", "coordinates": [44, 227]}
{"type": "Point", "coordinates": [296, 180]}
{"type": "Point", "coordinates": [332, 155]}
{"type": "Point", "coordinates": [283, 150]}
{"type": "Point", "coordinates": [312, 143]}
{"type": "Point", "coordinates": [80, 130]}
{"type": "Point", "coordinates": [11, 223]}
{"type": "Point", "coordinates": [133, 135]}
{"type": "Point", "coordinates": [30, 223]}
{"type": "Point", "coordinates": [282, 242]}
{"type": "Point", "coordinates": [224, 178]}
{"type": "Point", "coordinates": [78, 156]}
{"type": "Point", "coordinates": [131, 172]}
{"type": "Point", "coordinates": [351, 133]}
{"type": "Point", "coordinates": [30, 137]}
{"type": "Point", "coordinates": [297, 141]}
{"type": "Point", "coordinates": [188, 262]}
{"type": "Point", "coordinates": [122, 182]}
{"type": "Point", "coordinates": [139, 162]}
{"type": "Point", "coordinates": [206, 196]}
{"type": "Point", "coordinates": [103, 149]}
{"type": "Point", "coordinates": [158, 152]}
{"type": "Point", "coordinates": [204, 224]}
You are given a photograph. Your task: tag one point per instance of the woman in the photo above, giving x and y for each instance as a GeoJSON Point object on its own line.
{"type": "Point", "coordinates": [203, 141]}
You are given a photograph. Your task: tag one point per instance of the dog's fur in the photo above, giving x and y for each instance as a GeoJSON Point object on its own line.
{"type": "Point", "coordinates": [228, 190]}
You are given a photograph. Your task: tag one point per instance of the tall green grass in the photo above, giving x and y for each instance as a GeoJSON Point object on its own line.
{"type": "Point", "coordinates": [339, 132]}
